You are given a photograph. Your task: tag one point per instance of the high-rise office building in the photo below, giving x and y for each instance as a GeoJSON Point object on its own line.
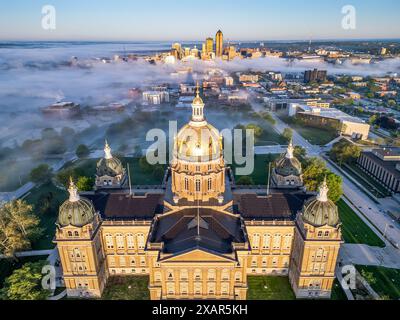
{"type": "Point", "coordinates": [219, 43]}
{"type": "Point", "coordinates": [209, 45]}
{"type": "Point", "coordinates": [315, 76]}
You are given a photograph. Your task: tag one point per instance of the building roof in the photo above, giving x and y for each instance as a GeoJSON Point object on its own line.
{"type": "Point", "coordinates": [278, 205]}
{"type": "Point", "coordinates": [179, 231]}
{"type": "Point", "coordinates": [120, 205]}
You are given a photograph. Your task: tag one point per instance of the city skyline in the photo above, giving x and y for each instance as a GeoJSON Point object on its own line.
{"type": "Point", "coordinates": [262, 20]}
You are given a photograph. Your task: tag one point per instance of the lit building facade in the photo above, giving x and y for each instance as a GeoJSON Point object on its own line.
{"type": "Point", "coordinates": [197, 236]}
{"type": "Point", "coordinates": [219, 44]}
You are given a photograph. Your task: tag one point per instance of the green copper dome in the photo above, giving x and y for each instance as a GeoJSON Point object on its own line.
{"type": "Point", "coordinates": [320, 211]}
{"type": "Point", "coordinates": [288, 165]}
{"type": "Point", "coordinates": [109, 165]}
{"type": "Point", "coordinates": [76, 211]}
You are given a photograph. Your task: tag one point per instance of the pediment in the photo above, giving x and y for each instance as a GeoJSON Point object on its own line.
{"type": "Point", "coordinates": [198, 255]}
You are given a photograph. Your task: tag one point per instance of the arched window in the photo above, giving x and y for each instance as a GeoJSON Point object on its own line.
{"type": "Point", "coordinates": [170, 275]}
{"type": "Point", "coordinates": [184, 274]}
{"type": "Point", "coordinates": [197, 274]}
{"type": "Point", "coordinates": [209, 185]}
{"type": "Point", "coordinates": [140, 240]}
{"type": "Point", "coordinates": [225, 274]}
{"type": "Point", "coordinates": [197, 288]}
{"type": "Point", "coordinates": [256, 241]}
{"type": "Point", "coordinates": [288, 241]}
{"type": "Point", "coordinates": [130, 241]}
{"type": "Point", "coordinates": [211, 274]}
{"type": "Point", "coordinates": [225, 288]}
{"type": "Point", "coordinates": [157, 276]}
{"type": "Point", "coordinates": [198, 183]}
{"type": "Point", "coordinates": [109, 241]}
{"type": "Point", "coordinates": [186, 184]}
{"type": "Point", "coordinates": [266, 241]}
{"type": "Point", "coordinates": [76, 234]}
{"type": "Point", "coordinates": [120, 241]}
{"type": "Point", "coordinates": [238, 276]}
{"type": "Point", "coordinates": [171, 288]}
{"type": "Point", "coordinates": [277, 241]}
{"type": "Point", "coordinates": [211, 288]}
{"type": "Point", "coordinates": [69, 233]}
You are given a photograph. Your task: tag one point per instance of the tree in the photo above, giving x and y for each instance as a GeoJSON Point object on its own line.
{"type": "Point", "coordinates": [18, 227]}
{"type": "Point", "coordinates": [82, 151]}
{"type": "Point", "coordinates": [313, 175]}
{"type": "Point", "coordinates": [287, 134]}
{"type": "Point", "coordinates": [368, 276]}
{"type": "Point", "coordinates": [85, 183]}
{"type": "Point", "coordinates": [300, 153]}
{"type": "Point", "coordinates": [41, 173]}
{"type": "Point", "coordinates": [258, 131]}
{"type": "Point", "coordinates": [344, 151]}
{"type": "Point", "coordinates": [245, 181]}
{"type": "Point", "coordinates": [25, 283]}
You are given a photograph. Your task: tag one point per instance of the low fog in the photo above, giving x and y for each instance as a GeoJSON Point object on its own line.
{"type": "Point", "coordinates": [35, 75]}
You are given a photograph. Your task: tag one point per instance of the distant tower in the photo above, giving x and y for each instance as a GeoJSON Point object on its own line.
{"type": "Point", "coordinates": [316, 247]}
{"type": "Point", "coordinates": [219, 43]}
{"type": "Point", "coordinates": [79, 245]}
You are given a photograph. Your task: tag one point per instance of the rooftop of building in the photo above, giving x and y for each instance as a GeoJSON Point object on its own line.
{"type": "Point", "coordinates": [331, 113]}
{"type": "Point", "coordinates": [198, 228]}
{"type": "Point", "coordinates": [378, 157]}
{"type": "Point", "coordinates": [279, 204]}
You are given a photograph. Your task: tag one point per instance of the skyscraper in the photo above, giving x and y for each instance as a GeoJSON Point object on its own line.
{"type": "Point", "coordinates": [209, 45]}
{"type": "Point", "coordinates": [219, 43]}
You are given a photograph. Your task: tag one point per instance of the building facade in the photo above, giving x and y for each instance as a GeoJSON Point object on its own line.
{"type": "Point", "coordinates": [219, 44]}
{"type": "Point", "coordinates": [383, 165]}
{"type": "Point", "coordinates": [199, 236]}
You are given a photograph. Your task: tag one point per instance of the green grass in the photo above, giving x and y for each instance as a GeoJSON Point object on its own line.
{"type": "Point", "coordinates": [269, 288]}
{"type": "Point", "coordinates": [48, 219]}
{"type": "Point", "coordinates": [127, 288]}
{"type": "Point", "coordinates": [138, 175]}
{"type": "Point", "coordinates": [315, 135]}
{"type": "Point", "coordinates": [260, 172]}
{"type": "Point", "coordinates": [387, 281]}
{"type": "Point", "coordinates": [354, 229]}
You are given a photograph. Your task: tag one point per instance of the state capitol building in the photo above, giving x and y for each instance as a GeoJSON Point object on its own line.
{"type": "Point", "coordinates": [198, 236]}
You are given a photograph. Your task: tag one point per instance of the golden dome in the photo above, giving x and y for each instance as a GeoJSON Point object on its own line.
{"type": "Point", "coordinates": [198, 143]}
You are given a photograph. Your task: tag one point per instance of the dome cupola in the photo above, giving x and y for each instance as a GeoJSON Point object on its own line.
{"type": "Point", "coordinates": [320, 210]}
{"type": "Point", "coordinates": [76, 211]}
{"type": "Point", "coordinates": [288, 164]}
{"type": "Point", "coordinates": [109, 166]}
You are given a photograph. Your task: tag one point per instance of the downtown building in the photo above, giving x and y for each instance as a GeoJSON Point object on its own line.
{"type": "Point", "coordinates": [198, 236]}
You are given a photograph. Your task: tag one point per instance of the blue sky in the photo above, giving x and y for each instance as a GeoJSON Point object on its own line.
{"type": "Point", "coordinates": [187, 20]}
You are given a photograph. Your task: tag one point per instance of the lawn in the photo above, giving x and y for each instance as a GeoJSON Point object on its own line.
{"type": "Point", "coordinates": [54, 197]}
{"type": "Point", "coordinates": [315, 135]}
{"type": "Point", "coordinates": [354, 229]}
{"type": "Point", "coordinates": [139, 176]}
{"type": "Point", "coordinates": [260, 172]}
{"type": "Point", "coordinates": [127, 288]}
{"type": "Point", "coordinates": [269, 288]}
{"type": "Point", "coordinates": [387, 281]}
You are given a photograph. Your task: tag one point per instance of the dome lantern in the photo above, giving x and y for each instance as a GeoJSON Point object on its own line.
{"type": "Point", "coordinates": [197, 107]}
{"type": "Point", "coordinates": [73, 191]}
{"type": "Point", "coordinates": [107, 151]}
{"type": "Point", "coordinates": [290, 150]}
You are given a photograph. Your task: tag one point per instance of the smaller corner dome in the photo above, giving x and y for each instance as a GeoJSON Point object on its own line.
{"type": "Point", "coordinates": [287, 164]}
{"type": "Point", "coordinates": [76, 211]}
{"type": "Point", "coordinates": [109, 165]}
{"type": "Point", "coordinates": [320, 211]}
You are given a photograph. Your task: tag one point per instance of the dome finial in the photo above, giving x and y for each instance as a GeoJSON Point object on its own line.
{"type": "Point", "coordinates": [73, 191]}
{"type": "Point", "coordinates": [290, 150]}
{"type": "Point", "coordinates": [323, 192]}
{"type": "Point", "coordinates": [107, 151]}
